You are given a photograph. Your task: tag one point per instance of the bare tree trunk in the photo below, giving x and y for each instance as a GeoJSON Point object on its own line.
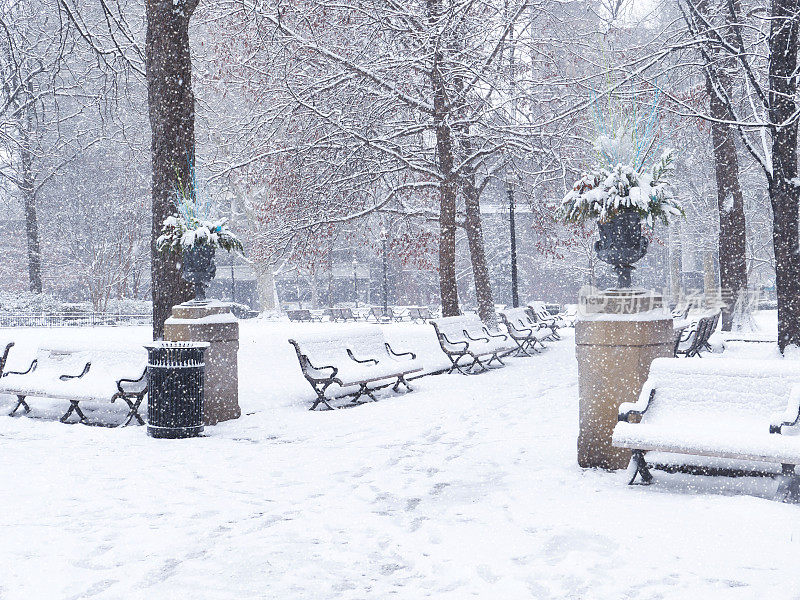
{"type": "Point", "coordinates": [783, 192]}
{"type": "Point", "coordinates": [28, 189]}
{"type": "Point", "coordinates": [477, 251]}
{"type": "Point", "coordinates": [448, 289]}
{"type": "Point", "coordinates": [730, 203]}
{"type": "Point", "coordinates": [31, 222]}
{"type": "Point", "coordinates": [171, 108]}
{"type": "Point", "coordinates": [265, 282]}
{"type": "Point", "coordinates": [732, 232]}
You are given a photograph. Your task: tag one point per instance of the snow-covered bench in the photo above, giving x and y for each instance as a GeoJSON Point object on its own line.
{"type": "Point", "coordinates": [81, 375]}
{"type": "Point", "coordinates": [734, 410]}
{"type": "Point", "coordinates": [381, 316]}
{"type": "Point", "coordinates": [343, 314]}
{"type": "Point", "coordinates": [356, 356]}
{"type": "Point", "coordinates": [419, 313]}
{"type": "Point", "coordinates": [4, 356]}
{"type": "Point", "coordinates": [569, 315]}
{"type": "Point", "coordinates": [467, 337]}
{"type": "Point", "coordinates": [302, 315]}
{"type": "Point", "coordinates": [539, 314]}
{"type": "Point", "coordinates": [524, 331]}
{"type": "Point", "coordinates": [695, 340]}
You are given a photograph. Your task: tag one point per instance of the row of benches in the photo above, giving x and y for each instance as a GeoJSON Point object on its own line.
{"type": "Point", "coordinates": [376, 314]}
{"type": "Point", "coordinates": [355, 358]}
{"type": "Point", "coordinates": [392, 314]}
{"type": "Point", "coordinates": [359, 357]}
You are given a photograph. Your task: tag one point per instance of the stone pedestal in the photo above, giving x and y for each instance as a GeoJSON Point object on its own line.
{"type": "Point", "coordinates": [618, 335]}
{"type": "Point", "coordinates": [212, 322]}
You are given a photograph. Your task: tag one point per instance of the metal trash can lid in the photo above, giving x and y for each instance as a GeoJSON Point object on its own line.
{"type": "Point", "coordinates": [174, 354]}
{"type": "Point", "coordinates": [160, 345]}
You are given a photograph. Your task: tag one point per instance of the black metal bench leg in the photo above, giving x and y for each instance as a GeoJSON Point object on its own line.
{"type": "Point", "coordinates": [402, 379]}
{"type": "Point", "coordinates": [496, 357]}
{"type": "Point", "coordinates": [363, 390]}
{"type": "Point", "coordinates": [321, 396]}
{"type": "Point", "coordinates": [789, 488]}
{"type": "Point", "coordinates": [638, 466]}
{"type": "Point", "coordinates": [476, 362]}
{"type": "Point", "coordinates": [521, 350]}
{"type": "Point", "coordinates": [133, 410]}
{"type": "Point", "coordinates": [20, 402]}
{"type": "Point", "coordinates": [454, 365]}
{"type": "Point", "coordinates": [73, 407]}
{"type": "Point", "coordinates": [461, 369]}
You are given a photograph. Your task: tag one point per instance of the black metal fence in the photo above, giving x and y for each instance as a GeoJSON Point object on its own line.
{"type": "Point", "coordinates": [73, 319]}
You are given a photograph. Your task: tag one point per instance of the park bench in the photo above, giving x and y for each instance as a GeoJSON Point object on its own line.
{"type": "Point", "coordinates": [4, 357]}
{"type": "Point", "coordinates": [539, 314]}
{"type": "Point", "coordinates": [302, 316]}
{"type": "Point", "coordinates": [419, 313]}
{"type": "Point", "coordinates": [466, 337]}
{"type": "Point", "coordinates": [524, 331]}
{"type": "Point", "coordinates": [695, 339]}
{"type": "Point", "coordinates": [732, 410]}
{"type": "Point", "coordinates": [569, 315]}
{"type": "Point", "coordinates": [81, 375]}
{"type": "Point", "coordinates": [340, 314]}
{"type": "Point", "coordinates": [356, 356]}
{"type": "Point", "coordinates": [381, 316]}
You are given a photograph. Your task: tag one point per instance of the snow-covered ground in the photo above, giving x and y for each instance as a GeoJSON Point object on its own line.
{"type": "Point", "coordinates": [466, 488]}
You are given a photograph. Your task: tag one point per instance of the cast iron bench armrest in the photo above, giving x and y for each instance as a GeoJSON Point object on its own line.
{"type": "Point", "coordinates": [393, 353]}
{"type": "Point", "coordinates": [447, 340]}
{"type": "Point", "coordinates": [4, 357]}
{"type": "Point", "coordinates": [141, 379]}
{"type": "Point", "coordinates": [502, 336]}
{"type": "Point", "coordinates": [365, 361]}
{"type": "Point", "coordinates": [86, 368]}
{"type": "Point", "coordinates": [31, 368]}
{"type": "Point", "coordinates": [305, 364]}
{"type": "Point", "coordinates": [791, 416]}
{"type": "Point", "coordinates": [472, 339]}
{"type": "Point", "coordinates": [626, 409]}
{"type": "Point", "coordinates": [518, 326]}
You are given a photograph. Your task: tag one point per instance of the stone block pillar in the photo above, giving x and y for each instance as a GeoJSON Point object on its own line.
{"type": "Point", "coordinates": [617, 336]}
{"type": "Point", "coordinates": [214, 323]}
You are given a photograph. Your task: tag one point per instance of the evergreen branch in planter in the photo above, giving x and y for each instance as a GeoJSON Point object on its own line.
{"type": "Point", "coordinates": [603, 193]}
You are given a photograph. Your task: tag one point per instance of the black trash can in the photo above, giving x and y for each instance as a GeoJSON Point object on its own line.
{"type": "Point", "coordinates": [176, 373]}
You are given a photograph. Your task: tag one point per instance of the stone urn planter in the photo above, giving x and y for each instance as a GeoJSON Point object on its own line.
{"type": "Point", "coordinates": [621, 244]}
{"type": "Point", "coordinates": [197, 267]}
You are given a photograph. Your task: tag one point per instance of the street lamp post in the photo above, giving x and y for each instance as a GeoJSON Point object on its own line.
{"type": "Point", "coordinates": [384, 238]}
{"type": "Point", "coordinates": [513, 229]}
{"type": "Point", "coordinates": [355, 281]}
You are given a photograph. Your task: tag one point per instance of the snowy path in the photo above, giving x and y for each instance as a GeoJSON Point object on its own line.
{"type": "Point", "coordinates": [467, 488]}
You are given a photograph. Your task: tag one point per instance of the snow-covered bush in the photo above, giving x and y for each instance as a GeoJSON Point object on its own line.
{"type": "Point", "coordinates": [28, 302]}
{"type": "Point", "coordinates": [604, 192]}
